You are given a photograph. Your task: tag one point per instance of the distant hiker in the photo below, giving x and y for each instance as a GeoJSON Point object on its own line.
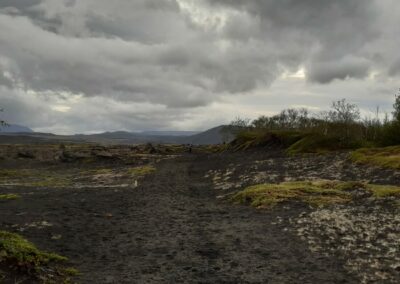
{"type": "Point", "coordinates": [190, 148]}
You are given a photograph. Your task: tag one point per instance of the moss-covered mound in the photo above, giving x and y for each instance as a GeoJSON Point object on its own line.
{"type": "Point", "coordinates": [19, 257]}
{"type": "Point", "coordinates": [9, 196]}
{"type": "Point", "coordinates": [388, 157]}
{"type": "Point", "coordinates": [295, 142]}
{"type": "Point", "coordinates": [142, 171]}
{"type": "Point", "coordinates": [315, 143]}
{"type": "Point", "coordinates": [263, 138]}
{"type": "Point", "coordinates": [315, 193]}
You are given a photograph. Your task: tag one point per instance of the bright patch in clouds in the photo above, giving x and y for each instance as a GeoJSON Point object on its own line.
{"type": "Point", "coordinates": [61, 108]}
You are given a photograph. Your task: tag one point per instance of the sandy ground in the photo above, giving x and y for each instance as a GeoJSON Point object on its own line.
{"type": "Point", "coordinates": [174, 227]}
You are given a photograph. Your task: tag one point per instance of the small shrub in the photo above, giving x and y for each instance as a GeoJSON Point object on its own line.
{"type": "Point", "coordinates": [390, 134]}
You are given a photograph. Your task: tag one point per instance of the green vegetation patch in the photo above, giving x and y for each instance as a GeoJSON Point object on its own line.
{"type": "Point", "coordinates": [14, 173]}
{"type": "Point", "coordinates": [388, 157]}
{"type": "Point", "coordinates": [71, 271]}
{"type": "Point", "coordinates": [383, 190]}
{"type": "Point", "coordinates": [91, 172]}
{"type": "Point", "coordinates": [35, 177]}
{"type": "Point", "coordinates": [315, 143]}
{"type": "Point", "coordinates": [142, 171]}
{"type": "Point", "coordinates": [19, 258]}
{"type": "Point", "coordinates": [15, 249]}
{"type": "Point", "coordinates": [316, 193]}
{"type": "Point", "coordinates": [9, 196]}
{"type": "Point", "coordinates": [50, 182]}
{"type": "Point", "coordinates": [261, 138]}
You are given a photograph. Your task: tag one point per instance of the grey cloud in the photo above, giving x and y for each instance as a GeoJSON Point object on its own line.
{"type": "Point", "coordinates": [156, 52]}
{"type": "Point", "coordinates": [22, 5]}
{"type": "Point", "coordinates": [395, 68]}
{"type": "Point", "coordinates": [315, 30]}
{"type": "Point", "coordinates": [326, 72]}
{"type": "Point", "coordinates": [90, 114]}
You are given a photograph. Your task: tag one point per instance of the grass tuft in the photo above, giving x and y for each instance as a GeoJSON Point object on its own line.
{"type": "Point", "coordinates": [315, 193]}
{"type": "Point", "coordinates": [384, 190]}
{"type": "Point", "coordinates": [19, 251]}
{"type": "Point", "coordinates": [388, 157]}
{"type": "Point", "coordinates": [142, 171]}
{"type": "Point", "coordinates": [21, 259]}
{"type": "Point", "coordinates": [314, 143]}
{"type": "Point", "coordinates": [9, 196]}
{"type": "Point", "coordinates": [71, 271]}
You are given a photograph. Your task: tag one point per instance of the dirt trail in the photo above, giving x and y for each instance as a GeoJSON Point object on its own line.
{"type": "Point", "coordinates": [171, 229]}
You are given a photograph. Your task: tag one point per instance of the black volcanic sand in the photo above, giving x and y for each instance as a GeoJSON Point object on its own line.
{"type": "Point", "coordinates": [169, 229]}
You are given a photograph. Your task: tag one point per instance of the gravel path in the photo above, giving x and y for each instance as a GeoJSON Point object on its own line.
{"type": "Point", "coordinates": [170, 229]}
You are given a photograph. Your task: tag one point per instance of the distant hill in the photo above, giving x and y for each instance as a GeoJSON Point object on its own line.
{"type": "Point", "coordinates": [14, 128]}
{"type": "Point", "coordinates": [211, 136]}
{"type": "Point", "coordinates": [169, 133]}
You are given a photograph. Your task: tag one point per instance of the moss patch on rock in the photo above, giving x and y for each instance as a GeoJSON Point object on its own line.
{"type": "Point", "coordinates": [315, 193]}
{"type": "Point", "coordinates": [388, 157]}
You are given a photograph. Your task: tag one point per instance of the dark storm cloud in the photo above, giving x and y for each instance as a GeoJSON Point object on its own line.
{"type": "Point", "coordinates": [326, 72]}
{"type": "Point", "coordinates": [183, 54]}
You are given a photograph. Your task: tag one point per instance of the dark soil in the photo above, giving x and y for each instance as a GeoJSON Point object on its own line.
{"type": "Point", "coordinates": [170, 229]}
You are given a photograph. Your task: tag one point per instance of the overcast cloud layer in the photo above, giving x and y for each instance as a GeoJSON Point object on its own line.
{"type": "Point", "coordinates": [93, 65]}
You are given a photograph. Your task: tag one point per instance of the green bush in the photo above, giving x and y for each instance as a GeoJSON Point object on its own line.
{"type": "Point", "coordinates": [261, 138]}
{"type": "Point", "coordinates": [339, 128]}
{"type": "Point", "coordinates": [390, 134]}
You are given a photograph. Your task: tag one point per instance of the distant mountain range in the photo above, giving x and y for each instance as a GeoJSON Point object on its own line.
{"type": "Point", "coordinates": [22, 135]}
{"type": "Point", "coordinates": [14, 128]}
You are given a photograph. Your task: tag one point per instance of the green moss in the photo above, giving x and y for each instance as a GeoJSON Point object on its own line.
{"type": "Point", "coordinates": [142, 171]}
{"type": "Point", "coordinates": [18, 253]}
{"type": "Point", "coordinates": [316, 193]}
{"type": "Point", "coordinates": [35, 177]}
{"type": "Point", "coordinates": [49, 182]}
{"type": "Point", "coordinates": [71, 271]}
{"type": "Point", "coordinates": [102, 171]}
{"type": "Point", "coordinates": [9, 196]}
{"type": "Point", "coordinates": [384, 190]}
{"type": "Point", "coordinates": [13, 173]}
{"type": "Point", "coordinates": [260, 138]}
{"type": "Point", "coordinates": [388, 157]}
{"type": "Point", "coordinates": [16, 249]}
{"type": "Point", "coordinates": [314, 144]}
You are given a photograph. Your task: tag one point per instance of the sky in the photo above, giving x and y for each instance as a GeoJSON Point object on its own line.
{"type": "Point", "coordinates": [87, 66]}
